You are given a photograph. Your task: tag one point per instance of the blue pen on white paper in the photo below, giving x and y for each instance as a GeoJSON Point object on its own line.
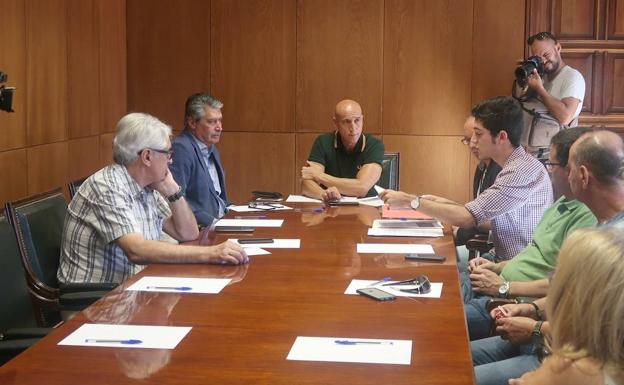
{"type": "Point", "coordinates": [350, 342]}
{"type": "Point", "coordinates": [384, 279]}
{"type": "Point", "coordinates": [174, 288]}
{"type": "Point", "coordinates": [122, 342]}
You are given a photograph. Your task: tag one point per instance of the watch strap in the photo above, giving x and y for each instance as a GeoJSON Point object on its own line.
{"type": "Point", "coordinates": [174, 197]}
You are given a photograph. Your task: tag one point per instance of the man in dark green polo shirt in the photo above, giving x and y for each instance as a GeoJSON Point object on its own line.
{"type": "Point", "coordinates": [344, 162]}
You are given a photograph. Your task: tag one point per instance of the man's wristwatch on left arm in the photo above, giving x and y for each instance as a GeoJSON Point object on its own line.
{"type": "Point", "coordinates": [415, 203]}
{"type": "Point", "coordinates": [175, 196]}
{"type": "Point", "coordinates": [503, 290]}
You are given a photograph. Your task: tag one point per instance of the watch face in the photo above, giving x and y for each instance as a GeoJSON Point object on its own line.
{"type": "Point", "coordinates": [504, 288]}
{"type": "Point", "coordinates": [415, 203]}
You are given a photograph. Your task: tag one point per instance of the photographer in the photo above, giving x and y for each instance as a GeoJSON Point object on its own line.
{"type": "Point", "coordinates": [562, 89]}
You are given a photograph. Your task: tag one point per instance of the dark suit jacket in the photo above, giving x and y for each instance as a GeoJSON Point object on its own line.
{"type": "Point", "coordinates": [192, 175]}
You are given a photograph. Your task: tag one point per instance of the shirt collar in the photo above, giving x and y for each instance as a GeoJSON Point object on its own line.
{"type": "Point", "coordinates": [359, 146]}
{"type": "Point", "coordinates": [203, 147]}
{"type": "Point", "coordinates": [135, 189]}
{"type": "Point", "coordinates": [518, 152]}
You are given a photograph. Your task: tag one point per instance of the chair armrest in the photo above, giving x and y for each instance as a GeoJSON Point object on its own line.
{"type": "Point", "coordinates": [21, 333]}
{"type": "Point", "coordinates": [480, 245]}
{"type": "Point", "coordinates": [77, 296]}
{"type": "Point", "coordinates": [496, 302]}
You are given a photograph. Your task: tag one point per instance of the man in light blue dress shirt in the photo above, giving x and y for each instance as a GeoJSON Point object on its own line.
{"type": "Point", "coordinates": [196, 162]}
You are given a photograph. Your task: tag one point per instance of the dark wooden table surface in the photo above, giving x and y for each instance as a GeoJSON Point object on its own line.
{"type": "Point", "coordinates": [243, 334]}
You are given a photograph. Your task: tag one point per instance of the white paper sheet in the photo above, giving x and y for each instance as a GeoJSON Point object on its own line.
{"type": "Point", "coordinates": [251, 251]}
{"type": "Point", "coordinates": [371, 201]}
{"type": "Point", "coordinates": [301, 199]}
{"type": "Point", "coordinates": [383, 232]}
{"type": "Point", "coordinates": [381, 351]}
{"type": "Point", "coordinates": [283, 243]}
{"type": "Point", "coordinates": [250, 222]}
{"type": "Point", "coordinates": [379, 189]}
{"type": "Point", "coordinates": [180, 284]}
{"type": "Point", "coordinates": [407, 224]}
{"type": "Point", "coordinates": [151, 337]}
{"type": "Point", "coordinates": [436, 288]}
{"type": "Point", "coordinates": [246, 209]}
{"type": "Point", "coordinates": [394, 248]}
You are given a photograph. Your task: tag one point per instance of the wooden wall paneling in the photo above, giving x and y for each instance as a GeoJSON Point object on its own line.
{"type": "Point", "coordinates": [84, 157]}
{"type": "Point", "coordinates": [438, 165]}
{"type": "Point", "coordinates": [46, 70]}
{"type": "Point", "coordinates": [538, 17]}
{"type": "Point", "coordinates": [257, 161]}
{"type": "Point", "coordinates": [339, 56]}
{"type": "Point", "coordinates": [584, 63]}
{"type": "Point", "coordinates": [168, 55]}
{"type": "Point", "coordinates": [576, 19]}
{"type": "Point", "coordinates": [13, 63]}
{"type": "Point", "coordinates": [14, 179]}
{"type": "Point", "coordinates": [112, 43]}
{"type": "Point", "coordinates": [427, 66]}
{"type": "Point", "coordinates": [615, 24]}
{"type": "Point", "coordinates": [253, 66]}
{"type": "Point", "coordinates": [303, 145]}
{"type": "Point", "coordinates": [83, 56]}
{"type": "Point", "coordinates": [613, 81]}
{"type": "Point", "coordinates": [497, 44]}
{"type": "Point", "coordinates": [47, 167]}
{"type": "Point", "coordinates": [106, 149]}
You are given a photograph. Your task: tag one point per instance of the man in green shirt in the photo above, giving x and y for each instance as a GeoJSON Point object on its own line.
{"type": "Point", "coordinates": [344, 162]}
{"type": "Point", "coordinates": [525, 275]}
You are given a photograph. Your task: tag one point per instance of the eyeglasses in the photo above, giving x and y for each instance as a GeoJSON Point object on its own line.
{"type": "Point", "coordinates": [541, 36]}
{"type": "Point", "coordinates": [550, 165]}
{"type": "Point", "coordinates": [264, 206]}
{"type": "Point", "coordinates": [418, 285]}
{"type": "Point", "coordinates": [465, 141]}
{"type": "Point", "coordinates": [168, 153]}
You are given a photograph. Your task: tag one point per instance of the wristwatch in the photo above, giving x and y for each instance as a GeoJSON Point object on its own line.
{"type": "Point", "coordinates": [503, 290]}
{"type": "Point", "coordinates": [537, 329]}
{"type": "Point", "coordinates": [415, 203]}
{"type": "Point", "coordinates": [174, 197]}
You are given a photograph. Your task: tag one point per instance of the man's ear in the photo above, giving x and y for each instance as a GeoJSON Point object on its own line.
{"type": "Point", "coordinates": [502, 135]}
{"type": "Point", "coordinates": [144, 155]}
{"type": "Point", "coordinates": [584, 175]}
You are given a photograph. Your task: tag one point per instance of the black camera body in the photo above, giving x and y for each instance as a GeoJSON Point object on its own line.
{"type": "Point", "coordinates": [6, 94]}
{"type": "Point", "coordinates": [526, 68]}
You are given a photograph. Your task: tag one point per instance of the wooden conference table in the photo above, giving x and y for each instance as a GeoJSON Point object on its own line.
{"type": "Point", "coordinates": [243, 334]}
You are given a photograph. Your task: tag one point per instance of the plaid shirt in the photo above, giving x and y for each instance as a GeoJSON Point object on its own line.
{"type": "Point", "coordinates": [515, 203]}
{"type": "Point", "coordinates": [108, 205]}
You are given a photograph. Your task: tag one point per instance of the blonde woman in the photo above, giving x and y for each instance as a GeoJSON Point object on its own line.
{"type": "Point", "coordinates": [585, 307]}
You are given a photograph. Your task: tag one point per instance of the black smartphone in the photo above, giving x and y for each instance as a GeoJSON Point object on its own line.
{"type": "Point", "coordinates": [376, 294]}
{"type": "Point", "coordinates": [234, 229]}
{"type": "Point", "coordinates": [340, 203]}
{"type": "Point", "coordinates": [249, 241]}
{"type": "Point", "coordinates": [425, 257]}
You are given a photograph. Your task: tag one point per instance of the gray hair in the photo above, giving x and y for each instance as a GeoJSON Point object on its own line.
{"type": "Point", "coordinates": [135, 132]}
{"type": "Point", "coordinates": [195, 104]}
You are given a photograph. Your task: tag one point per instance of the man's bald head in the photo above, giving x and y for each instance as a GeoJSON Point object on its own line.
{"type": "Point", "coordinates": [348, 120]}
{"type": "Point", "coordinates": [346, 108]}
{"type": "Point", "coordinates": [602, 152]}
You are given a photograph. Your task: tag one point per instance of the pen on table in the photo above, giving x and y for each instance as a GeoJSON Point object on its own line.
{"type": "Point", "coordinates": [315, 210]}
{"type": "Point", "coordinates": [176, 288]}
{"type": "Point", "coordinates": [384, 279]}
{"type": "Point", "coordinates": [251, 217]}
{"type": "Point", "coordinates": [123, 342]}
{"type": "Point", "coordinates": [349, 342]}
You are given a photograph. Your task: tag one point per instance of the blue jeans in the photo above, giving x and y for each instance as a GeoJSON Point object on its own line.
{"type": "Point", "coordinates": [478, 319]}
{"type": "Point", "coordinates": [496, 360]}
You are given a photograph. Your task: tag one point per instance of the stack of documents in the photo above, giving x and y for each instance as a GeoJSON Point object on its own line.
{"type": "Point", "coordinates": [406, 228]}
{"type": "Point", "coordinates": [402, 213]}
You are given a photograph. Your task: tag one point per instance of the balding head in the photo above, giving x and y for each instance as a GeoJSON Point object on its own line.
{"type": "Point", "coordinates": [602, 153]}
{"type": "Point", "coordinates": [348, 120]}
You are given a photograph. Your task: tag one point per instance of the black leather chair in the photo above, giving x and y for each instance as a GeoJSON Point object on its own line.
{"type": "Point", "coordinates": [18, 321]}
{"type": "Point", "coordinates": [74, 185]}
{"type": "Point", "coordinates": [38, 225]}
{"type": "Point", "coordinates": [390, 171]}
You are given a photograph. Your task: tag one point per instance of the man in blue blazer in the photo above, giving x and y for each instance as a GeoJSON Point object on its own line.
{"type": "Point", "coordinates": [196, 162]}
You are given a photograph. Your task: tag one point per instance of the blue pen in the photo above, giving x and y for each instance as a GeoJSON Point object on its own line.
{"type": "Point", "coordinates": [176, 288]}
{"type": "Point", "coordinates": [349, 342]}
{"type": "Point", "coordinates": [123, 342]}
{"type": "Point", "coordinates": [384, 279]}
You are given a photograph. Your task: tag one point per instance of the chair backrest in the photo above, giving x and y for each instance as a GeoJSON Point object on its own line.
{"type": "Point", "coordinates": [16, 308]}
{"type": "Point", "coordinates": [390, 171]}
{"type": "Point", "coordinates": [74, 185]}
{"type": "Point", "coordinates": [38, 225]}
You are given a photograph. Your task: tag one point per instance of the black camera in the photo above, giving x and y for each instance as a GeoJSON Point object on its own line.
{"type": "Point", "coordinates": [526, 68]}
{"type": "Point", "coordinates": [6, 94]}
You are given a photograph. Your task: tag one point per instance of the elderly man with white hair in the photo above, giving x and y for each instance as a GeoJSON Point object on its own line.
{"type": "Point", "coordinates": [115, 221]}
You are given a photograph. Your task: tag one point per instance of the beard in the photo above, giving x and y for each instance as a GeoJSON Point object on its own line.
{"type": "Point", "coordinates": [553, 69]}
